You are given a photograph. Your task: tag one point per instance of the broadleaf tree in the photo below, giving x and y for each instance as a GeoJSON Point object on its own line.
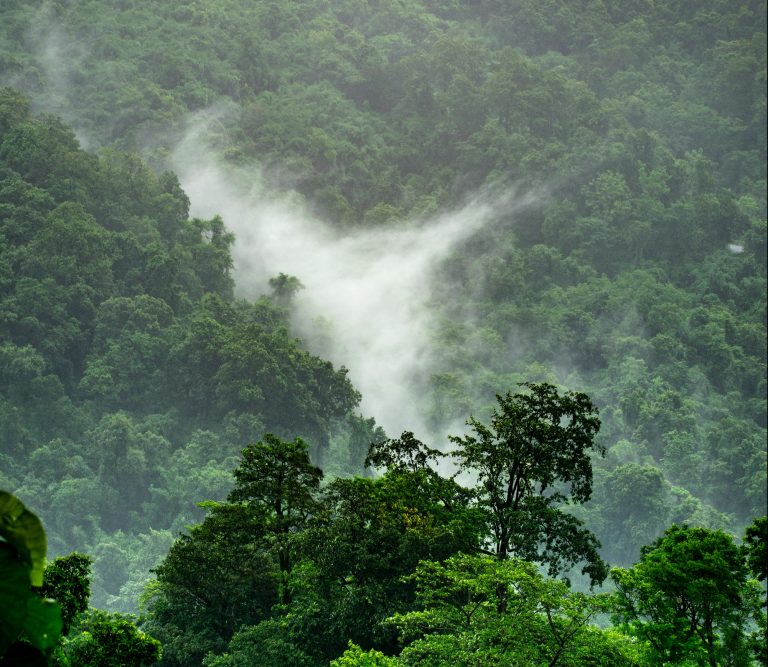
{"type": "Point", "coordinates": [533, 458]}
{"type": "Point", "coordinates": [690, 597]}
{"type": "Point", "coordinates": [278, 477]}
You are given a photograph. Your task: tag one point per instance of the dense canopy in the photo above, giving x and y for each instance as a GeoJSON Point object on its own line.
{"type": "Point", "coordinates": [135, 378]}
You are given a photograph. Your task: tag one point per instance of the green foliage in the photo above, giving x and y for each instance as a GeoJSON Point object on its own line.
{"type": "Point", "coordinates": [403, 454]}
{"type": "Point", "coordinates": [101, 639]}
{"type": "Point", "coordinates": [633, 505]}
{"type": "Point", "coordinates": [26, 617]}
{"type": "Point", "coordinates": [281, 540]}
{"type": "Point", "coordinates": [29, 624]}
{"type": "Point", "coordinates": [109, 297]}
{"type": "Point", "coordinates": [219, 577]}
{"type": "Point", "coordinates": [68, 581]}
{"type": "Point", "coordinates": [267, 644]}
{"type": "Point", "coordinates": [230, 571]}
{"type": "Point", "coordinates": [276, 480]}
{"type": "Point", "coordinates": [23, 532]}
{"type": "Point", "coordinates": [689, 597]}
{"type": "Point", "coordinates": [533, 457]}
{"type": "Point", "coordinates": [478, 610]}
{"type": "Point", "coordinates": [756, 544]}
{"type": "Point", "coordinates": [284, 287]}
{"type": "Point", "coordinates": [354, 656]}
{"type": "Point", "coordinates": [130, 379]}
{"type": "Point", "coordinates": [230, 363]}
{"type": "Point", "coordinates": [373, 533]}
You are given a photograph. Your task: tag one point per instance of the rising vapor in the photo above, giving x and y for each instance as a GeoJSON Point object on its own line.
{"type": "Point", "coordinates": [366, 302]}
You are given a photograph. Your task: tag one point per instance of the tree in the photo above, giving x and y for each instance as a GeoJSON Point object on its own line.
{"type": "Point", "coordinates": [461, 623]}
{"type": "Point", "coordinates": [534, 457]}
{"type": "Point", "coordinates": [232, 361]}
{"type": "Point", "coordinates": [215, 579]}
{"type": "Point", "coordinates": [756, 546]}
{"type": "Point", "coordinates": [277, 478]}
{"type": "Point", "coordinates": [127, 363]}
{"type": "Point", "coordinates": [372, 533]}
{"type": "Point", "coordinates": [14, 108]}
{"type": "Point", "coordinates": [756, 551]}
{"type": "Point", "coordinates": [211, 257]}
{"type": "Point", "coordinates": [405, 453]}
{"type": "Point", "coordinates": [634, 507]}
{"type": "Point", "coordinates": [268, 644]}
{"type": "Point", "coordinates": [110, 640]}
{"type": "Point", "coordinates": [285, 287]}
{"type": "Point", "coordinates": [89, 638]}
{"type": "Point", "coordinates": [354, 656]}
{"type": "Point", "coordinates": [68, 581]}
{"type": "Point", "coordinates": [689, 596]}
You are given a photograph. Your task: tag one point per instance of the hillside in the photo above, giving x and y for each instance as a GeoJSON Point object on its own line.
{"type": "Point", "coordinates": [594, 172]}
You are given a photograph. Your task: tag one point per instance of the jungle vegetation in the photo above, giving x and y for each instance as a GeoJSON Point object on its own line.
{"type": "Point", "coordinates": [134, 379]}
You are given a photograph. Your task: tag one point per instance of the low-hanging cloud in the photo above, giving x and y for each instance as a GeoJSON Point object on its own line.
{"type": "Point", "coordinates": [367, 298]}
{"type": "Point", "coordinates": [57, 59]}
{"type": "Point", "coordinates": [368, 302]}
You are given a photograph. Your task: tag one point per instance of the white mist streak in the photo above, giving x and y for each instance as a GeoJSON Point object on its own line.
{"type": "Point", "coordinates": [371, 288]}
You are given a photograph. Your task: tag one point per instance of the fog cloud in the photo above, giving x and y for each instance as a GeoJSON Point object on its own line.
{"type": "Point", "coordinates": [367, 298]}
{"type": "Point", "coordinates": [58, 59]}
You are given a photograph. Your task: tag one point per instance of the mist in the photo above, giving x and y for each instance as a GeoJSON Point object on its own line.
{"type": "Point", "coordinates": [367, 302]}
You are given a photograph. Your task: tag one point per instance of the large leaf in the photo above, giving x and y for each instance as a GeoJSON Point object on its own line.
{"type": "Point", "coordinates": [14, 590]}
{"type": "Point", "coordinates": [23, 530]}
{"type": "Point", "coordinates": [43, 625]}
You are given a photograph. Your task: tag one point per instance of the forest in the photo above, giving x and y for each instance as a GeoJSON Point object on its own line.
{"type": "Point", "coordinates": [383, 333]}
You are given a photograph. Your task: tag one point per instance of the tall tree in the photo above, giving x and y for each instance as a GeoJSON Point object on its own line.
{"type": "Point", "coordinates": [285, 287]}
{"type": "Point", "coordinates": [372, 534]}
{"type": "Point", "coordinates": [533, 458]}
{"type": "Point", "coordinates": [277, 478]}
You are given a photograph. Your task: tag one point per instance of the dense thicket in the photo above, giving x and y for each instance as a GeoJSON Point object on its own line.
{"type": "Point", "coordinates": [642, 280]}
{"type": "Point", "coordinates": [130, 378]}
{"type": "Point", "coordinates": [408, 565]}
